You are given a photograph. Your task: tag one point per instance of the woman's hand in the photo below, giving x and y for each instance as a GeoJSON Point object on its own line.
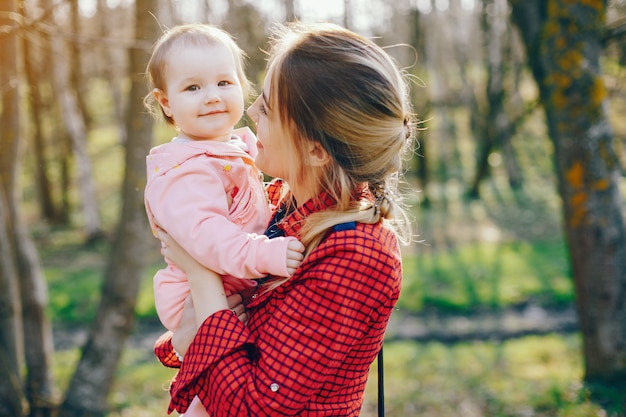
{"type": "Point", "coordinates": [187, 329]}
{"type": "Point", "coordinates": [174, 252]}
{"type": "Point", "coordinates": [235, 303]}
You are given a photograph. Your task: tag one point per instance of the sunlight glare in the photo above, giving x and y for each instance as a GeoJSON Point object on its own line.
{"type": "Point", "coordinates": [424, 6]}
{"type": "Point", "coordinates": [320, 10]}
{"type": "Point", "coordinates": [468, 4]}
{"type": "Point", "coordinates": [442, 5]}
{"type": "Point", "coordinates": [87, 7]}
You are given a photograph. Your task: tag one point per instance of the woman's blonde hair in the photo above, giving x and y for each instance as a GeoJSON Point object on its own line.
{"type": "Point", "coordinates": [341, 90]}
{"type": "Point", "coordinates": [183, 36]}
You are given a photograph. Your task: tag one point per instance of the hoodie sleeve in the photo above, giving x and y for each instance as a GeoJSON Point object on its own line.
{"type": "Point", "coordinates": [190, 203]}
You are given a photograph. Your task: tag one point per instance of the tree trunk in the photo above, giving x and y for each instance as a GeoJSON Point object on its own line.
{"type": "Point", "coordinates": [110, 71]}
{"type": "Point", "coordinates": [45, 86]}
{"type": "Point", "coordinates": [38, 347]}
{"type": "Point", "coordinates": [290, 11]}
{"type": "Point", "coordinates": [36, 326]}
{"type": "Point", "coordinates": [347, 17]}
{"type": "Point", "coordinates": [49, 210]}
{"type": "Point", "coordinates": [416, 40]}
{"type": "Point", "coordinates": [493, 125]}
{"type": "Point", "coordinates": [205, 10]}
{"type": "Point", "coordinates": [247, 25]}
{"type": "Point", "coordinates": [10, 321]}
{"type": "Point", "coordinates": [563, 43]}
{"type": "Point", "coordinates": [92, 381]}
{"type": "Point", "coordinates": [21, 275]}
{"type": "Point", "coordinates": [77, 80]}
{"type": "Point", "coordinates": [421, 167]}
{"type": "Point", "coordinates": [12, 397]}
{"type": "Point", "coordinates": [76, 129]}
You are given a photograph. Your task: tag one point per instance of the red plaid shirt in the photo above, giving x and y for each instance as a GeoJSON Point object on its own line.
{"type": "Point", "coordinates": [309, 343]}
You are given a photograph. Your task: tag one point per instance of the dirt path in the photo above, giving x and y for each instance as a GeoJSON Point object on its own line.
{"type": "Point", "coordinates": [493, 326]}
{"type": "Point", "coordinates": [499, 325]}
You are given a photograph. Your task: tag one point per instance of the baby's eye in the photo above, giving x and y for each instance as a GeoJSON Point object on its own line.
{"type": "Point", "coordinates": [262, 109]}
{"type": "Point", "coordinates": [223, 83]}
{"type": "Point", "coordinates": [193, 88]}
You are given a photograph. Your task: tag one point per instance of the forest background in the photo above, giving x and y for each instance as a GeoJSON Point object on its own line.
{"type": "Point", "coordinates": [514, 295]}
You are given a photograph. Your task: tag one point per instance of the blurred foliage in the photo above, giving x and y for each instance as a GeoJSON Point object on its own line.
{"type": "Point", "coordinates": [487, 276]}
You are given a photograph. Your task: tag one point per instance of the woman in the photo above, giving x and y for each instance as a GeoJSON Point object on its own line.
{"type": "Point", "coordinates": [333, 122]}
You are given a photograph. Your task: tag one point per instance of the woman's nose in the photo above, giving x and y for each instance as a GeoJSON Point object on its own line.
{"type": "Point", "coordinates": [252, 113]}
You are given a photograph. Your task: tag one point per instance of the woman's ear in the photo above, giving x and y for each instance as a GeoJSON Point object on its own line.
{"type": "Point", "coordinates": [317, 155]}
{"type": "Point", "coordinates": [161, 98]}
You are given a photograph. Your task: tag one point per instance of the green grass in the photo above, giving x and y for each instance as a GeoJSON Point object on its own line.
{"type": "Point", "coordinates": [140, 387]}
{"type": "Point", "coordinates": [531, 376]}
{"type": "Point", "coordinates": [78, 304]}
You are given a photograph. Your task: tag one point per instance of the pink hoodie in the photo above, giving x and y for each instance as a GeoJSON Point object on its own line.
{"type": "Point", "coordinates": [209, 197]}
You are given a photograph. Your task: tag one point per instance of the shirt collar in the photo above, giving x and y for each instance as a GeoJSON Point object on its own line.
{"type": "Point", "coordinates": [293, 221]}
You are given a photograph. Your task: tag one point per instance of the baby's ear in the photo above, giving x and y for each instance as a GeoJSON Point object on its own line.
{"type": "Point", "coordinates": [161, 98]}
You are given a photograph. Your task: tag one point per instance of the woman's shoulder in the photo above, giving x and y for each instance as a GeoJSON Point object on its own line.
{"type": "Point", "coordinates": [362, 259]}
{"type": "Point", "coordinates": [370, 245]}
{"type": "Point", "coordinates": [363, 235]}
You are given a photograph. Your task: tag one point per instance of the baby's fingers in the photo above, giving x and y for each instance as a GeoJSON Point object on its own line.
{"type": "Point", "coordinates": [295, 245]}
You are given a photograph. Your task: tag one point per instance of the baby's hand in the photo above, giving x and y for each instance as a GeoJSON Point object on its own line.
{"type": "Point", "coordinates": [295, 255]}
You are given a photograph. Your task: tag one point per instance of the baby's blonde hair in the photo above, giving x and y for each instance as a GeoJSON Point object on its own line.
{"type": "Point", "coordinates": [341, 90]}
{"type": "Point", "coordinates": [182, 36]}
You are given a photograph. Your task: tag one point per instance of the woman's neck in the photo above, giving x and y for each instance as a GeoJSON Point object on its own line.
{"type": "Point", "coordinates": [301, 197]}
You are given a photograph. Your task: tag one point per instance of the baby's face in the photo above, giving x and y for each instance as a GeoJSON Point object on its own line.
{"type": "Point", "coordinates": [204, 93]}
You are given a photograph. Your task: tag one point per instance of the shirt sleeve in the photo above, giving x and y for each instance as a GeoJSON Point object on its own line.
{"type": "Point", "coordinates": [321, 319]}
{"type": "Point", "coordinates": [205, 355]}
{"type": "Point", "coordinates": [190, 203]}
{"type": "Point", "coordinates": [164, 351]}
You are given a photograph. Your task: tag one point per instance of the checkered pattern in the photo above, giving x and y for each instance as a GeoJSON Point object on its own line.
{"type": "Point", "coordinates": [309, 343]}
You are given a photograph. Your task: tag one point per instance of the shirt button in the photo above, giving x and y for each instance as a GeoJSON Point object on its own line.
{"type": "Point", "coordinates": [274, 387]}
